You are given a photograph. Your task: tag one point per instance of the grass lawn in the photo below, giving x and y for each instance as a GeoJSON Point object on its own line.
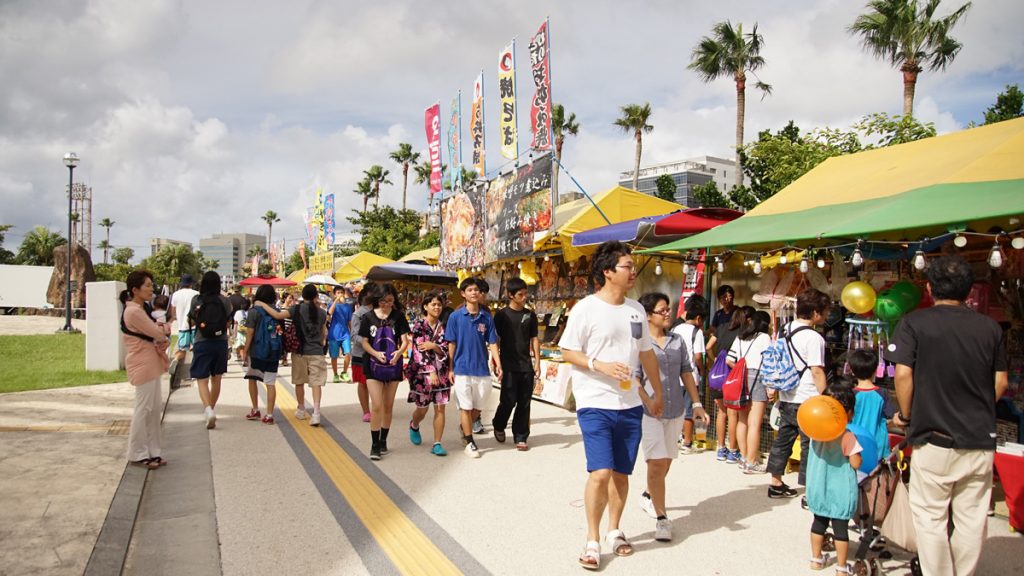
{"type": "Point", "coordinates": [48, 361]}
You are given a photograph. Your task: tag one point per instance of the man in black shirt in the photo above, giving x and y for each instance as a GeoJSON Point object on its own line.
{"type": "Point", "coordinates": [517, 338]}
{"type": "Point", "coordinates": [950, 370]}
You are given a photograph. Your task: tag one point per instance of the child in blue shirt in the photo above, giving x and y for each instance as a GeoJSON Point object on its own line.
{"type": "Point", "coordinates": [872, 402]}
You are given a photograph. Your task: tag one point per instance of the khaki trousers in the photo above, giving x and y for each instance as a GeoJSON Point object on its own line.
{"type": "Point", "coordinates": [144, 434]}
{"type": "Point", "coordinates": [941, 480]}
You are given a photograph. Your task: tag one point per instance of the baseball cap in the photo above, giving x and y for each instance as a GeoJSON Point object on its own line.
{"type": "Point", "coordinates": [187, 279]}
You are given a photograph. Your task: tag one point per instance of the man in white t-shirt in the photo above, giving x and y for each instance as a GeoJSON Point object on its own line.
{"type": "Point", "coordinates": [181, 303]}
{"type": "Point", "coordinates": [808, 348]}
{"type": "Point", "coordinates": [606, 340]}
{"type": "Point", "coordinates": [696, 310]}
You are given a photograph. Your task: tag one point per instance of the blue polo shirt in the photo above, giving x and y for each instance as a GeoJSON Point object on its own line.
{"type": "Point", "coordinates": [471, 335]}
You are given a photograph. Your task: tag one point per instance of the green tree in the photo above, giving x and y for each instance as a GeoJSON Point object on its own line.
{"type": "Point", "coordinates": [423, 171]}
{"type": "Point", "coordinates": [910, 38]}
{"type": "Point", "coordinates": [111, 272]}
{"type": "Point", "coordinates": [108, 224]}
{"type": "Point", "coordinates": [1009, 105]}
{"type": "Point", "coordinates": [171, 262]}
{"type": "Point", "coordinates": [634, 120]}
{"type": "Point", "coordinates": [37, 247]}
{"type": "Point", "coordinates": [270, 218]}
{"type": "Point", "coordinates": [892, 130]}
{"type": "Point", "coordinates": [206, 263]}
{"type": "Point", "coordinates": [666, 187]}
{"type": "Point", "coordinates": [293, 263]}
{"type": "Point", "coordinates": [6, 256]}
{"type": "Point", "coordinates": [376, 176]}
{"type": "Point", "coordinates": [561, 126]}
{"type": "Point", "coordinates": [389, 232]}
{"type": "Point", "coordinates": [708, 195]}
{"type": "Point", "coordinates": [365, 190]}
{"type": "Point", "coordinates": [729, 52]}
{"type": "Point", "coordinates": [406, 157]}
{"type": "Point", "coordinates": [256, 251]}
{"type": "Point", "coordinates": [122, 255]}
{"type": "Point", "coordinates": [104, 245]}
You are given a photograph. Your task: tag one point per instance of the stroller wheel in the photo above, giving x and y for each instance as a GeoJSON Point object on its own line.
{"type": "Point", "coordinates": [829, 544]}
{"type": "Point", "coordinates": [915, 567]}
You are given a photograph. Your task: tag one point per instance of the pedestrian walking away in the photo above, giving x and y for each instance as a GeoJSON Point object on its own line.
{"type": "Point", "coordinates": [209, 314]}
{"type": "Point", "coordinates": [384, 335]}
{"type": "Point", "coordinates": [262, 352]}
{"type": "Point", "coordinates": [428, 371]}
{"type": "Point", "coordinates": [519, 352]}
{"type": "Point", "coordinates": [753, 340]}
{"type": "Point", "coordinates": [951, 367]}
{"type": "Point", "coordinates": [339, 316]}
{"type": "Point", "coordinates": [605, 339]}
{"type": "Point", "coordinates": [659, 434]}
{"type": "Point", "coordinates": [181, 303]}
{"type": "Point", "coordinates": [472, 346]}
{"type": "Point", "coordinates": [145, 360]}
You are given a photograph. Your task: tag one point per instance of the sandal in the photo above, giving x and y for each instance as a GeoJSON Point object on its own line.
{"type": "Point", "coordinates": [844, 569]}
{"type": "Point", "coordinates": [619, 545]}
{"type": "Point", "coordinates": [147, 462]}
{"type": "Point", "coordinates": [522, 446]}
{"type": "Point", "coordinates": [158, 461]}
{"type": "Point", "coordinates": [591, 556]}
{"type": "Point", "coordinates": [819, 563]}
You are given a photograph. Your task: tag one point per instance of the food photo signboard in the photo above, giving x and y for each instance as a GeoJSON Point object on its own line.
{"type": "Point", "coordinates": [518, 205]}
{"type": "Point", "coordinates": [462, 230]}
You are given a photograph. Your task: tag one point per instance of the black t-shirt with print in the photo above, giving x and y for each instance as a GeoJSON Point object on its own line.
{"type": "Point", "coordinates": [720, 322]}
{"type": "Point", "coordinates": [515, 330]}
{"type": "Point", "coordinates": [370, 322]}
{"type": "Point", "coordinates": [954, 352]}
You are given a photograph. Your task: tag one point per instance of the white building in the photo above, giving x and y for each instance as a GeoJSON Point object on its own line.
{"type": "Point", "coordinates": [686, 174]}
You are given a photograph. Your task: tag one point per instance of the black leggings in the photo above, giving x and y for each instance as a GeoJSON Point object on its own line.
{"type": "Point", "coordinates": [840, 527]}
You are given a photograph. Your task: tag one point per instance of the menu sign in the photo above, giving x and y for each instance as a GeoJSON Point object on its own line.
{"type": "Point", "coordinates": [462, 230]}
{"type": "Point", "coordinates": [518, 205]}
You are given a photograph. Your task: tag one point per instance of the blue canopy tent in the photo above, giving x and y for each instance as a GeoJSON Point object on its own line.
{"type": "Point", "coordinates": [412, 272]}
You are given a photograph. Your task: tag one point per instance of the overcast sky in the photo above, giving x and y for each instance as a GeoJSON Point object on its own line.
{"type": "Point", "coordinates": [195, 117]}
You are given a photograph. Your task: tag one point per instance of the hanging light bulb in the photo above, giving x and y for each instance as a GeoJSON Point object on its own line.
{"type": "Point", "coordinates": [757, 266]}
{"type": "Point", "coordinates": [720, 266]}
{"type": "Point", "coordinates": [804, 266]}
{"type": "Point", "coordinates": [1017, 243]}
{"type": "Point", "coordinates": [995, 257]}
{"type": "Point", "coordinates": [547, 257]}
{"type": "Point", "coordinates": [960, 241]}
{"type": "Point", "coordinates": [919, 261]}
{"type": "Point", "coordinates": [783, 259]}
{"type": "Point", "coordinates": [857, 259]}
{"type": "Point", "coordinates": [657, 268]}
{"type": "Point", "coordinates": [821, 260]}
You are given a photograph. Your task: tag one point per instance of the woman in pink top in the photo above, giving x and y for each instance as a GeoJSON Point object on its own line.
{"type": "Point", "coordinates": [145, 361]}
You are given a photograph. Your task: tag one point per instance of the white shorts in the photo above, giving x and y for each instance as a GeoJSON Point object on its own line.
{"type": "Point", "coordinates": [659, 437]}
{"type": "Point", "coordinates": [472, 392]}
{"type": "Point", "coordinates": [268, 378]}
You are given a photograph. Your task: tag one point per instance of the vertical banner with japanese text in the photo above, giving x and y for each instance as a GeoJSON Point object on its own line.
{"type": "Point", "coordinates": [477, 126]}
{"type": "Point", "coordinates": [432, 124]}
{"type": "Point", "coordinates": [507, 96]}
{"type": "Point", "coordinates": [307, 219]}
{"type": "Point", "coordinates": [517, 207]}
{"type": "Point", "coordinates": [540, 106]}
{"type": "Point", "coordinates": [455, 144]}
{"type": "Point", "coordinates": [329, 218]}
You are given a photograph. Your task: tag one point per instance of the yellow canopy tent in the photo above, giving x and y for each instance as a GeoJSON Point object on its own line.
{"type": "Point", "coordinates": [356, 266]}
{"type": "Point", "coordinates": [298, 276]}
{"type": "Point", "coordinates": [618, 204]}
{"type": "Point", "coordinates": [428, 255]}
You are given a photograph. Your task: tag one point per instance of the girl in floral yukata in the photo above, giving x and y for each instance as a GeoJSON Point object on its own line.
{"type": "Point", "coordinates": [428, 371]}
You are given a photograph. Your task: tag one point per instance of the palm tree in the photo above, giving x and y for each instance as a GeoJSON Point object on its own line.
{"type": "Point", "coordinates": [377, 175]}
{"type": "Point", "coordinates": [365, 189]}
{"type": "Point", "coordinates": [561, 126]}
{"type": "Point", "coordinates": [730, 52]}
{"type": "Point", "coordinates": [36, 248]}
{"type": "Point", "coordinates": [634, 120]}
{"type": "Point", "coordinates": [104, 245]}
{"type": "Point", "coordinates": [405, 156]}
{"type": "Point", "coordinates": [910, 38]}
{"type": "Point", "coordinates": [423, 172]}
{"type": "Point", "coordinates": [108, 224]}
{"type": "Point", "coordinates": [270, 218]}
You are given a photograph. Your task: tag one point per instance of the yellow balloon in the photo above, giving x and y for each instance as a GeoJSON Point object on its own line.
{"type": "Point", "coordinates": [858, 297]}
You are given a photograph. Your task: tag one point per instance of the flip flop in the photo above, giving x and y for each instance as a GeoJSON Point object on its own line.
{"type": "Point", "coordinates": [147, 462]}
{"type": "Point", "coordinates": [158, 461]}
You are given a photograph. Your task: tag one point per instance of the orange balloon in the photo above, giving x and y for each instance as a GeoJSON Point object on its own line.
{"type": "Point", "coordinates": [822, 418]}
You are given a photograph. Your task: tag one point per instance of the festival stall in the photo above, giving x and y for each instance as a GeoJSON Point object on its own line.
{"type": "Point", "coordinates": [414, 281]}
{"type": "Point", "coordinates": [425, 256]}
{"type": "Point", "coordinates": [356, 266]}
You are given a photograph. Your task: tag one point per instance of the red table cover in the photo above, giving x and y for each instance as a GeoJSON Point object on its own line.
{"type": "Point", "coordinates": [1011, 475]}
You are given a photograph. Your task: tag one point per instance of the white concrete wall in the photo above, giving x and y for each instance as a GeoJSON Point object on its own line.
{"type": "Point", "coordinates": [104, 347]}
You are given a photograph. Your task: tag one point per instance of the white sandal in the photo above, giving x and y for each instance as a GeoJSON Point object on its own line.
{"type": "Point", "coordinates": [844, 568]}
{"type": "Point", "coordinates": [618, 543]}
{"type": "Point", "coordinates": [591, 556]}
{"type": "Point", "coordinates": [819, 563]}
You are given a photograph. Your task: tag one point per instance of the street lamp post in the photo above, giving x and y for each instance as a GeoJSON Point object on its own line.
{"type": "Point", "coordinates": [70, 160]}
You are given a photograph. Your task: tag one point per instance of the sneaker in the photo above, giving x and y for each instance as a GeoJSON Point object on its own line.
{"type": "Point", "coordinates": [781, 491]}
{"type": "Point", "coordinates": [366, 417]}
{"type": "Point", "coordinates": [384, 447]}
{"type": "Point", "coordinates": [478, 427]}
{"type": "Point", "coordinates": [732, 457]}
{"type": "Point", "coordinates": [337, 379]}
{"type": "Point", "coordinates": [211, 418]}
{"type": "Point", "coordinates": [722, 454]}
{"type": "Point", "coordinates": [268, 419]}
{"type": "Point", "coordinates": [499, 435]}
{"type": "Point", "coordinates": [414, 436]}
{"type": "Point", "coordinates": [647, 505]}
{"type": "Point", "coordinates": [253, 414]}
{"type": "Point", "coordinates": [314, 420]}
{"type": "Point", "coordinates": [438, 450]}
{"type": "Point", "coordinates": [300, 414]}
{"type": "Point", "coordinates": [803, 502]}
{"type": "Point", "coordinates": [663, 530]}
{"type": "Point", "coordinates": [375, 452]}
{"type": "Point", "coordinates": [755, 469]}
{"type": "Point", "coordinates": [472, 451]}
{"type": "Point", "coordinates": [345, 377]}
{"type": "Point", "coordinates": [686, 448]}
{"type": "Point", "coordinates": [173, 367]}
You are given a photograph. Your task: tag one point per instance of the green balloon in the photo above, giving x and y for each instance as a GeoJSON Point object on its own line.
{"type": "Point", "coordinates": [909, 292]}
{"type": "Point", "coordinates": [889, 308]}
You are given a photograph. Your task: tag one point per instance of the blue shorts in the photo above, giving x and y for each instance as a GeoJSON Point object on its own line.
{"type": "Point", "coordinates": [345, 346]}
{"type": "Point", "coordinates": [611, 438]}
{"type": "Point", "coordinates": [186, 338]}
{"type": "Point", "coordinates": [209, 358]}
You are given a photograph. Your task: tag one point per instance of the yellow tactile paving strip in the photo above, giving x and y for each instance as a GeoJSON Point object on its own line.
{"type": "Point", "coordinates": [57, 428]}
{"type": "Point", "coordinates": [411, 551]}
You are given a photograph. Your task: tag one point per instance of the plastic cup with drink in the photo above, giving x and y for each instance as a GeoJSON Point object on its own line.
{"type": "Point", "coordinates": [700, 431]}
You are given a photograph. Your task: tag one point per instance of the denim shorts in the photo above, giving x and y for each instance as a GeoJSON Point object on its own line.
{"type": "Point", "coordinates": [611, 438]}
{"type": "Point", "coordinates": [209, 358]}
{"type": "Point", "coordinates": [339, 347]}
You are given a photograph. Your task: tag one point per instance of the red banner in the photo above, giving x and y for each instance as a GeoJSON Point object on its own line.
{"type": "Point", "coordinates": [432, 124]}
{"type": "Point", "coordinates": [540, 106]}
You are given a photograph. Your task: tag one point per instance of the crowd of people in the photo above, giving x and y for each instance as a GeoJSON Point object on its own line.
{"type": "Point", "coordinates": [637, 381]}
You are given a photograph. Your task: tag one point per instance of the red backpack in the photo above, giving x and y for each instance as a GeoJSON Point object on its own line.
{"type": "Point", "coordinates": [735, 392]}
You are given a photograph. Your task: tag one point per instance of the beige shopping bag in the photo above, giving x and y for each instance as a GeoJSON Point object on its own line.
{"type": "Point", "coordinates": [898, 526]}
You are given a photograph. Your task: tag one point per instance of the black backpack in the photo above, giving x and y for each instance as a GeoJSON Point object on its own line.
{"type": "Point", "coordinates": [210, 318]}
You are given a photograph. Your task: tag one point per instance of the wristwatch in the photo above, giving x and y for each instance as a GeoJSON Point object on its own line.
{"type": "Point", "coordinates": [905, 419]}
{"type": "Point", "coordinates": [696, 405]}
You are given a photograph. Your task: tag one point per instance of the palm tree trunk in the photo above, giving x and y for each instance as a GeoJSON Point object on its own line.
{"type": "Point", "coordinates": [366, 199]}
{"type": "Point", "coordinates": [554, 174]}
{"type": "Point", "coordinates": [405, 182]}
{"type": "Point", "coordinates": [741, 108]}
{"type": "Point", "coordinates": [909, 85]}
{"type": "Point", "coordinates": [636, 164]}
{"type": "Point", "coordinates": [105, 247]}
{"type": "Point", "coordinates": [376, 196]}
{"type": "Point", "coordinates": [270, 228]}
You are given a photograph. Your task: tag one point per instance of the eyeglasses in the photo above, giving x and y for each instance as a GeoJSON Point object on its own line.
{"type": "Point", "coordinates": [630, 267]}
{"type": "Point", "coordinates": [664, 312]}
